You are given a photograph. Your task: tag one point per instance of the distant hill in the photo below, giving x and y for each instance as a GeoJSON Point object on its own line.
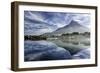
{"type": "Point", "coordinates": [72, 27]}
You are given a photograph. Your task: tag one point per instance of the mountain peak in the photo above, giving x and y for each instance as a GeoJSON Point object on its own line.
{"type": "Point", "coordinates": [73, 26]}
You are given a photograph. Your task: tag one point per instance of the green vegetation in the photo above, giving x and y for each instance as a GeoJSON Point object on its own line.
{"type": "Point", "coordinates": [76, 33]}
{"type": "Point", "coordinates": [73, 35]}
{"type": "Point", "coordinates": [30, 37]}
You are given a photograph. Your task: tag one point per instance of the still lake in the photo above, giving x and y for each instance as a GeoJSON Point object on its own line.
{"type": "Point", "coordinates": [56, 49]}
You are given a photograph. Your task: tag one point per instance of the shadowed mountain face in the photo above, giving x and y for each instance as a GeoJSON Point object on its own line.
{"type": "Point", "coordinates": [72, 27]}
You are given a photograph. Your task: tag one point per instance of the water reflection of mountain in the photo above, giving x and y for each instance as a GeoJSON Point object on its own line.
{"type": "Point", "coordinates": [46, 50]}
{"type": "Point", "coordinates": [43, 50]}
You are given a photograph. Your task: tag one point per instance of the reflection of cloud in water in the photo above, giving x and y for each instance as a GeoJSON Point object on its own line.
{"type": "Point", "coordinates": [85, 53]}
{"type": "Point", "coordinates": [43, 50]}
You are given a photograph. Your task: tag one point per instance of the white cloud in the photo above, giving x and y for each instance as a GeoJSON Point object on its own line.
{"type": "Point", "coordinates": [83, 19]}
{"type": "Point", "coordinates": [39, 22]}
{"type": "Point", "coordinates": [35, 16]}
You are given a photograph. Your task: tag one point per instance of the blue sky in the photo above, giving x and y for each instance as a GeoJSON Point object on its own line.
{"type": "Point", "coordinates": [36, 23]}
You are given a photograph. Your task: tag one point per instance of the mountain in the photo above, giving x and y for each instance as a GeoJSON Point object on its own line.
{"type": "Point", "coordinates": [73, 26]}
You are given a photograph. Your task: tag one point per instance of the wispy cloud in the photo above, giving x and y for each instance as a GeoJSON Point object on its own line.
{"type": "Point", "coordinates": [83, 19]}
{"type": "Point", "coordinates": [37, 23]}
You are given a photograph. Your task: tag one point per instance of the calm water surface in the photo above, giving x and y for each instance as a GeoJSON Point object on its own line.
{"type": "Point", "coordinates": [55, 50]}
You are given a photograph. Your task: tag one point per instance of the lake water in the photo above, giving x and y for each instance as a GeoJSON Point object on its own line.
{"type": "Point", "coordinates": [55, 50]}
